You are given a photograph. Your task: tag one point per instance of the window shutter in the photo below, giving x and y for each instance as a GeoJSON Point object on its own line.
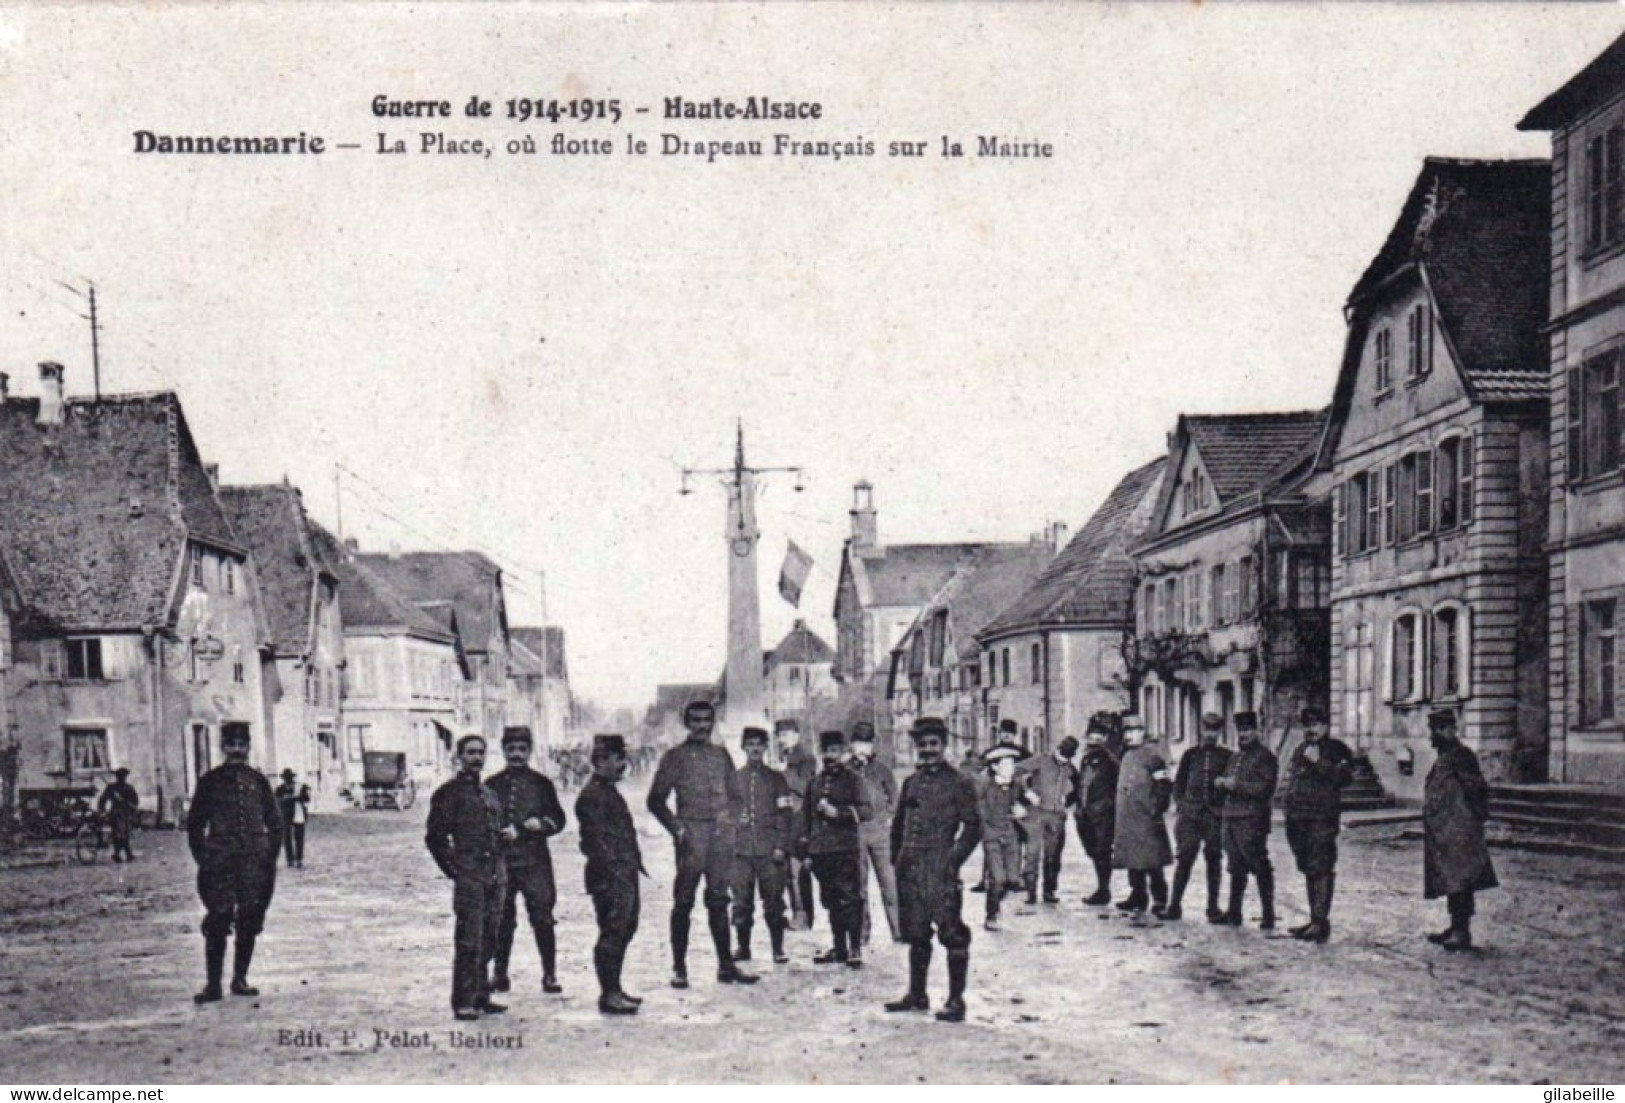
{"type": "Point", "coordinates": [1424, 492]}
{"type": "Point", "coordinates": [1576, 421]}
{"type": "Point", "coordinates": [1464, 496]}
{"type": "Point", "coordinates": [1391, 635]}
{"type": "Point", "coordinates": [1339, 518]}
{"type": "Point", "coordinates": [52, 660]}
{"type": "Point", "coordinates": [1424, 659]}
{"type": "Point", "coordinates": [1464, 650]}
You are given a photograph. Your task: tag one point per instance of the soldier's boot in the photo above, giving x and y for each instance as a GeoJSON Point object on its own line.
{"type": "Point", "coordinates": [1103, 885]}
{"type": "Point", "coordinates": [1159, 892]}
{"type": "Point", "coordinates": [1323, 914]}
{"type": "Point", "coordinates": [727, 971]}
{"type": "Point", "coordinates": [547, 948]}
{"type": "Point", "coordinates": [1136, 899]}
{"type": "Point", "coordinates": [679, 950]}
{"type": "Point", "coordinates": [499, 961]}
{"type": "Point", "coordinates": [1238, 891]}
{"type": "Point", "coordinates": [837, 954]}
{"type": "Point", "coordinates": [953, 1011]}
{"type": "Point", "coordinates": [1029, 881]}
{"type": "Point", "coordinates": [775, 932]}
{"type": "Point", "coordinates": [1306, 930]}
{"type": "Point", "coordinates": [214, 963]}
{"type": "Point", "coordinates": [1215, 880]}
{"type": "Point", "coordinates": [1182, 878]}
{"type": "Point", "coordinates": [1266, 898]}
{"type": "Point", "coordinates": [742, 937]}
{"type": "Point", "coordinates": [241, 960]}
{"type": "Point", "coordinates": [919, 964]}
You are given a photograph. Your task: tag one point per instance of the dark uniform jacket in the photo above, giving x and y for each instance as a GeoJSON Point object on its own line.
{"type": "Point", "coordinates": [464, 833]}
{"type": "Point", "coordinates": [702, 774]}
{"type": "Point", "coordinates": [996, 802]}
{"type": "Point", "coordinates": [1097, 784]}
{"type": "Point", "coordinates": [122, 798]}
{"type": "Point", "coordinates": [937, 817]}
{"type": "Point", "coordinates": [882, 785]}
{"type": "Point", "coordinates": [525, 794]}
{"type": "Point", "coordinates": [1194, 791]}
{"type": "Point", "coordinates": [1253, 769]}
{"type": "Point", "coordinates": [233, 816]}
{"type": "Point", "coordinates": [1315, 789]}
{"type": "Point", "coordinates": [1455, 804]}
{"type": "Point", "coordinates": [609, 839]}
{"type": "Point", "coordinates": [850, 796]}
{"type": "Point", "coordinates": [766, 815]}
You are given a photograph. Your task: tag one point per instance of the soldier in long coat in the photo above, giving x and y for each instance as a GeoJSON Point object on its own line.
{"type": "Point", "coordinates": [609, 840]}
{"type": "Point", "coordinates": [762, 843]}
{"type": "Point", "coordinates": [836, 808]}
{"type": "Point", "coordinates": [1318, 772]}
{"type": "Point", "coordinates": [1248, 784]}
{"type": "Point", "coordinates": [999, 800]}
{"type": "Point", "coordinates": [531, 814]}
{"type": "Point", "coordinates": [1455, 804]}
{"type": "Point", "coordinates": [935, 829]}
{"type": "Point", "coordinates": [1096, 808]}
{"type": "Point", "coordinates": [464, 836]}
{"type": "Point", "coordinates": [1197, 830]}
{"type": "Point", "coordinates": [1140, 841]}
{"type": "Point", "coordinates": [234, 832]}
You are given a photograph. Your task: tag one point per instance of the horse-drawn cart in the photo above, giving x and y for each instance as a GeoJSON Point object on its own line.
{"type": "Point", "coordinates": [385, 780]}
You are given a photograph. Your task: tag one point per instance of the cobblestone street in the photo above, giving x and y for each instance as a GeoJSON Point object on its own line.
{"type": "Point", "coordinates": [100, 964]}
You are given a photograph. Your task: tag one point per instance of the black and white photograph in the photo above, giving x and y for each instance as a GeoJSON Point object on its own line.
{"type": "Point", "coordinates": [811, 544]}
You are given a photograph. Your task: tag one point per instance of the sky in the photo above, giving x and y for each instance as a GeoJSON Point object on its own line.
{"type": "Point", "coordinates": [519, 353]}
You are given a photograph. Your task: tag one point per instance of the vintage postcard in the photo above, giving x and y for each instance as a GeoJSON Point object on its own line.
{"type": "Point", "coordinates": [614, 543]}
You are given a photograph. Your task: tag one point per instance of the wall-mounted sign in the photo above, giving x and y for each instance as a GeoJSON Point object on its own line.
{"type": "Point", "coordinates": [211, 649]}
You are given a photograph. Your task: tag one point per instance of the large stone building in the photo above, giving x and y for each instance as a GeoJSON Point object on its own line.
{"type": "Point", "coordinates": [1070, 624]}
{"type": "Point", "coordinates": [798, 681]}
{"type": "Point", "coordinates": [539, 684]}
{"type": "Point", "coordinates": [1586, 310]}
{"type": "Point", "coordinates": [1233, 579]}
{"type": "Point", "coordinates": [136, 635]}
{"type": "Point", "coordinates": [1437, 445]}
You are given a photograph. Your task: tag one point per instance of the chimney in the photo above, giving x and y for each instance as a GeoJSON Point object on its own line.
{"type": "Point", "coordinates": [865, 527]}
{"type": "Point", "coordinates": [1058, 534]}
{"type": "Point", "coordinates": [213, 471]}
{"type": "Point", "coordinates": [5, 386]}
{"type": "Point", "coordinates": [352, 545]}
{"type": "Point", "coordinates": [50, 400]}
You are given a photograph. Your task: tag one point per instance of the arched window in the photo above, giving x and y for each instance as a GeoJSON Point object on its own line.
{"type": "Point", "coordinates": [1451, 651]}
{"type": "Point", "coordinates": [1407, 657]}
{"type": "Point", "coordinates": [1453, 466]}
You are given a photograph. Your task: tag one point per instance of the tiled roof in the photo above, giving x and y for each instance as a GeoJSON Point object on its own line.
{"type": "Point", "coordinates": [999, 575]}
{"type": "Point", "coordinates": [463, 579]}
{"type": "Point", "coordinates": [547, 642]}
{"type": "Point", "coordinates": [911, 574]}
{"type": "Point", "coordinates": [1089, 581]}
{"type": "Point", "coordinates": [1601, 79]}
{"type": "Point", "coordinates": [92, 523]}
{"type": "Point", "coordinates": [1481, 231]}
{"type": "Point", "coordinates": [1242, 452]}
{"type": "Point", "coordinates": [366, 600]}
{"type": "Point", "coordinates": [270, 521]}
{"type": "Point", "coordinates": [800, 645]}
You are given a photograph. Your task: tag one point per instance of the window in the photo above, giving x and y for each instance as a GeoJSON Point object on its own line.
{"type": "Point", "coordinates": [1216, 595]}
{"type": "Point", "coordinates": [1390, 499]}
{"type": "Point", "coordinates": [1453, 466]}
{"type": "Point", "coordinates": [992, 668]}
{"type": "Point", "coordinates": [1005, 662]}
{"type": "Point", "coordinates": [355, 740]}
{"type": "Point", "coordinates": [1244, 580]}
{"type": "Point", "coordinates": [1450, 652]}
{"type": "Point", "coordinates": [87, 751]}
{"type": "Point", "coordinates": [1357, 681]}
{"type": "Point", "coordinates": [1420, 335]}
{"type": "Point", "coordinates": [1604, 224]}
{"type": "Point", "coordinates": [1594, 417]}
{"type": "Point", "coordinates": [83, 660]}
{"type": "Point", "coordinates": [1415, 496]}
{"type": "Point", "coordinates": [237, 671]}
{"type": "Point", "coordinates": [1147, 611]}
{"type": "Point", "coordinates": [1312, 587]}
{"type": "Point", "coordinates": [229, 570]}
{"type": "Point", "coordinates": [1424, 493]}
{"type": "Point", "coordinates": [1193, 600]}
{"type": "Point", "coordinates": [197, 566]}
{"type": "Point", "coordinates": [1038, 664]}
{"type": "Point", "coordinates": [1597, 662]}
{"type": "Point", "coordinates": [1362, 513]}
{"type": "Point", "coordinates": [1232, 594]}
{"type": "Point", "coordinates": [1405, 658]}
{"type": "Point", "coordinates": [1385, 360]}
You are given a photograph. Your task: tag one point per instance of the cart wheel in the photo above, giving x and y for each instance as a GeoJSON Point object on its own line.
{"type": "Point", "coordinates": [88, 843]}
{"type": "Point", "coordinates": [407, 794]}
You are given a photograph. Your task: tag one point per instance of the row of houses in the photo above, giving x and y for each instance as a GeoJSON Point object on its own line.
{"type": "Point", "coordinates": [145, 609]}
{"type": "Point", "coordinates": [1448, 532]}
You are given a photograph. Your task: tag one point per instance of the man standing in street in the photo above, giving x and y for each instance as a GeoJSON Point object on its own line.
{"type": "Point", "coordinates": [464, 837]}
{"type": "Point", "coordinates": [935, 829]}
{"type": "Point", "coordinates": [1197, 829]}
{"type": "Point", "coordinates": [837, 806]}
{"type": "Point", "coordinates": [999, 801]}
{"type": "Point", "coordinates": [293, 801]}
{"type": "Point", "coordinates": [1318, 772]}
{"type": "Point", "coordinates": [1248, 784]}
{"type": "Point", "coordinates": [1455, 857]}
{"type": "Point", "coordinates": [1140, 841]}
{"type": "Point", "coordinates": [762, 845]}
{"type": "Point", "coordinates": [234, 831]}
{"type": "Point", "coordinates": [531, 814]}
{"type": "Point", "coordinates": [121, 805]}
{"type": "Point", "coordinates": [609, 840]}
{"type": "Point", "coordinates": [1050, 786]}
{"type": "Point", "coordinates": [800, 767]}
{"type": "Point", "coordinates": [702, 775]}
{"type": "Point", "coordinates": [1097, 804]}
{"type": "Point", "coordinates": [875, 833]}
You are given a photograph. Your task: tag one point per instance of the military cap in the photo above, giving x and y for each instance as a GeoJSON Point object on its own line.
{"type": "Point", "coordinates": [517, 733]}
{"type": "Point", "coordinates": [1312, 714]}
{"type": "Point", "coordinates": [1001, 751]}
{"type": "Point", "coordinates": [1068, 746]}
{"type": "Point", "coordinates": [1212, 720]}
{"type": "Point", "coordinates": [1105, 722]}
{"type": "Point", "coordinates": [786, 725]}
{"type": "Point", "coordinates": [697, 710]}
{"type": "Point", "coordinates": [753, 735]}
{"type": "Point", "coordinates": [608, 744]}
{"type": "Point", "coordinates": [832, 738]}
{"type": "Point", "coordinates": [863, 731]}
{"type": "Point", "coordinates": [470, 738]}
{"type": "Point", "coordinates": [1442, 720]}
{"type": "Point", "coordinates": [1247, 721]}
{"type": "Point", "coordinates": [122, 771]}
{"type": "Point", "coordinates": [929, 725]}
{"type": "Point", "coordinates": [285, 773]}
{"type": "Point", "coordinates": [1008, 725]}
{"type": "Point", "coordinates": [1132, 720]}
{"type": "Point", "coordinates": [1095, 736]}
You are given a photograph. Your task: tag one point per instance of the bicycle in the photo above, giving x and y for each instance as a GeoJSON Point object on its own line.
{"type": "Point", "coordinates": [91, 839]}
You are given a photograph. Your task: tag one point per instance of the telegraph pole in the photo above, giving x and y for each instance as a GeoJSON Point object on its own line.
{"type": "Point", "coordinates": [744, 704]}
{"type": "Point", "coordinates": [95, 344]}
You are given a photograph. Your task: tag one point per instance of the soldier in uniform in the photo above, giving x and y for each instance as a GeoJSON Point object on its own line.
{"type": "Point", "coordinates": [800, 767]}
{"type": "Point", "coordinates": [1050, 784]}
{"type": "Point", "coordinates": [234, 831]}
{"type": "Point", "coordinates": [1197, 828]}
{"type": "Point", "coordinates": [707, 787]}
{"type": "Point", "coordinates": [1096, 807]}
{"type": "Point", "coordinates": [1140, 840]}
{"type": "Point", "coordinates": [121, 804]}
{"type": "Point", "coordinates": [1248, 784]}
{"type": "Point", "coordinates": [464, 837]}
{"type": "Point", "coordinates": [762, 846]}
{"type": "Point", "coordinates": [832, 817]}
{"type": "Point", "coordinates": [1318, 772]}
{"type": "Point", "coordinates": [875, 833]}
{"type": "Point", "coordinates": [531, 814]}
{"type": "Point", "coordinates": [293, 801]}
{"type": "Point", "coordinates": [935, 829]}
{"type": "Point", "coordinates": [1455, 804]}
{"type": "Point", "coordinates": [610, 842]}
{"type": "Point", "coordinates": [999, 801]}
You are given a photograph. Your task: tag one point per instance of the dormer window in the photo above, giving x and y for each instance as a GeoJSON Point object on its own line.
{"type": "Point", "coordinates": [1420, 332]}
{"type": "Point", "coordinates": [230, 571]}
{"type": "Point", "coordinates": [1385, 360]}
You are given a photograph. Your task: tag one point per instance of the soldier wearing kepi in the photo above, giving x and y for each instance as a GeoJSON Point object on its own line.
{"type": "Point", "coordinates": [1248, 784]}
{"type": "Point", "coordinates": [121, 804]}
{"type": "Point", "coordinates": [762, 845]}
{"type": "Point", "coordinates": [1140, 841]}
{"type": "Point", "coordinates": [875, 833]}
{"type": "Point", "coordinates": [1197, 828]}
{"type": "Point", "coordinates": [1096, 808]}
{"type": "Point", "coordinates": [234, 832]}
{"type": "Point", "coordinates": [935, 829]}
{"type": "Point", "coordinates": [1318, 772]}
{"type": "Point", "coordinates": [531, 814]}
{"type": "Point", "coordinates": [800, 767]}
{"type": "Point", "coordinates": [1455, 804]}
{"type": "Point", "coordinates": [999, 800]}
{"type": "Point", "coordinates": [702, 775]}
{"type": "Point", "coordinates": [832, 818]}
{"type": "Point", "coordinates": [609, 840]}
{"type": "Point", "coordinates": [464, 836]}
